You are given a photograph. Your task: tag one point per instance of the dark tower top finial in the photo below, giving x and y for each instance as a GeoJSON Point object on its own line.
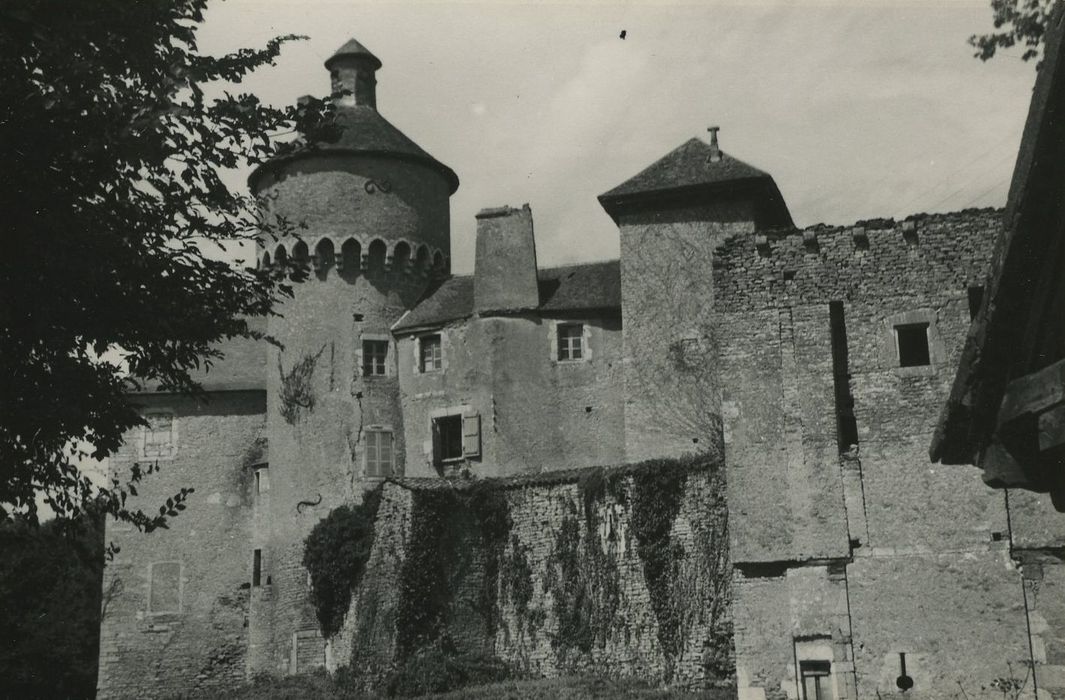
{"type": "Point", "coordinates": [715, 150]}
{"type": "Point", "coordinates": [352, 69]}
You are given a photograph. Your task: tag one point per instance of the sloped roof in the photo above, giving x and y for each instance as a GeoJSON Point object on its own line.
{"type": "Point", "coordinates": [688, 165]}
{"type": "Point", "coordinates": [352, 48]}
{"type": "Point", "coordinates": [569, 288]}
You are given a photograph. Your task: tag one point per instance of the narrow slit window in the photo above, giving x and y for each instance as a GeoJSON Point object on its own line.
{"type": "Point", "coordinates": [257, 568]}
{"type": "Point", "coordinates": [976, 299]}
{"type": "Point", "coordinates": [912, 342]}
{"type": "Point", "coordinates": [846, 423]}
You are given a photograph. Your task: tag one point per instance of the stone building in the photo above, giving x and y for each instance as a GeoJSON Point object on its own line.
{"type": "Point", "coordinates": [813, 361]}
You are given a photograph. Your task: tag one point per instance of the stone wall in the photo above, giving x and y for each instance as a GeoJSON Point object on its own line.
{"type": "Point", "coordinates": [863, 555]}
{"type": "Point", "coordinates": [536, 414]}
{"type": "Point", "coordinates": [196, 637]}
{"type": "Point", "coordinates": [569, 589]}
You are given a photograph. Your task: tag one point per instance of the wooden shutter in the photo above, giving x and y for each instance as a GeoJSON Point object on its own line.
{"type": "Point", "coordinates": [471, 435]}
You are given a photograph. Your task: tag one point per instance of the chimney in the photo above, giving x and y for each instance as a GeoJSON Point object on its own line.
{"type": "Point", "coordinates": [715, 150]}
{"type": "Point", "coordinates": [504, 269]}
{"type": "Point", "coordinates": [352, 69]}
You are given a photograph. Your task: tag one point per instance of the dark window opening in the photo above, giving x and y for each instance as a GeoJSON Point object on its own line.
{"type": "Point", "coordinates": [374, 355]}
{"type": "Point", "coordinates": [447, 438]}
{"type": "Point", "coordinates": [912, 340]}
{"type": "Point", "coordinates": [257, 568]}
{"type": "Point", "coordinates": [815, 679]}
{"type": "Point", "coordinates": [846, 424]}
{"type": "Point", "coordinates": [976, 299]}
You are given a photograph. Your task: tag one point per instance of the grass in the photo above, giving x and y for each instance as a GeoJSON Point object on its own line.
{"type": "Point", "coordinates": [321, 685]}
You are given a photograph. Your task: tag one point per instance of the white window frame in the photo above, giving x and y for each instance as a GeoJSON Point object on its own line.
{"type": "Point", "coordinates": [586, 340]}
{"type": "Point", "coordinates": [378, 430]}
{"type": "Point", "coordinates": [146, 429]}
{"type": "Point", "coordinates": [361, 354]}
{"type": "Point", "coordinates": [419, 366]}
{"type": "Point", "coordinates": [180, 587]}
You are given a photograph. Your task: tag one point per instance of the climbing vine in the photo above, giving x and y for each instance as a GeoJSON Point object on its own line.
{"type": "Point", "coordinates": [335, 554]}
{"type": "Point", "coordinates": [297, 393]}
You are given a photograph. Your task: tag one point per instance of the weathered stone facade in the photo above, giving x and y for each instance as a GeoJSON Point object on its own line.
{"type": "Point", "coordinates": [810, 363]}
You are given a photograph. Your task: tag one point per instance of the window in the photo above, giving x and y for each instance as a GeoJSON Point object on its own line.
{"type": "Point", "coordinates": [912, 343]}
{"type": "Point", "coordinates": [570, 341]}
{"type": "Point", "coordinates": [374, 356]}
{"type": "Point", "coordinates": [455, 437]}
{"type": "Point", "coordinates": [815, 679]}
{"type": "Point", "coordinates": [262, 480]}
{"type": "Point", "coordinates": [257, 568]}
{"type": "Point", "coordinates": [164, 587]}
{"type": "Point", "coordinates": [158, 436]}
{"type": "Point", "coordinates": [430, 355]}
{"type": "Point", "coordinates": [976, 299]}
{"type": "Point", "coordinates": [379, 453]}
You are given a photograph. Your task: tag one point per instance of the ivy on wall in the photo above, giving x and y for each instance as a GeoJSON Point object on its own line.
{"type": "Point", "coordinates": [297, 392]}
{"type": "Point", "coordinates": [335, 554]}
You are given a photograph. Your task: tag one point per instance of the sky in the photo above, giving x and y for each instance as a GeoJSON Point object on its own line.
{"type": "Point", "coordinates": [858, 110]}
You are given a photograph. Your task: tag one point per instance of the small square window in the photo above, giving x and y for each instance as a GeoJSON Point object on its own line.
{"type": "Point", "coordinates": [379, 453]}
{"type": "Point", "coordinates": [158, 435]}
{"type": "Point", "coordinates": [430, 355]}
{"type": "Point", "coordinates": [164, 587]}
{"type": "Point", "coordinates": [570, 341]}
{"type": "Point", "coordinates": [912, 343]}
{"type": "Point", "coordinates": [374, 358]}
{"type": "Point", "coordinates": [815, 679]}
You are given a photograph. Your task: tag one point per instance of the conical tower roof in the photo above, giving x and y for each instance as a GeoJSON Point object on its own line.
{"type": "Point", "coordinates": [352, 48]}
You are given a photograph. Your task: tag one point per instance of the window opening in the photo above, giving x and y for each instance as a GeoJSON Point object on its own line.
{"type": "Point", "coordinates": [159, 435]}
{"type": "Point", "coordinates": [164, 587]}
{"type": "Point", "coordinates": [257, 568]}
{"type": "Point", "coordinates": [815, 679]}
{"type": "Point", "coordinates": [430, 358]}
{"type": "Point", "coordinates": [262, 480]}
{"type": "Point", "coordinates": [570, 341]}
{"type": "Point", "coordinates": [447, 438]}
{"type": "Point", "coordinates": [976, 299]}
{"type": "Point", "coordinates": [374, 355]}
{"type": "Point", "coordinates": [912, 342]}
{"type": "Point", "coordinates": [379, 453]}
{"type": "Point", "coordinates": [846, 424]}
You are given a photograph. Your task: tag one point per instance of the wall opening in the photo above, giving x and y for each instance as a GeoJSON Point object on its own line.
{"type": "Point", "coordinates": [447, 438]}
{"type": "Point", "coordinates": [846, 424]}
{"type": "Point", "coordinates": [976, 299]}
{"type": "Point", "coordinates": [911, 340]}
{"type": "Point", "coordinates": [815, 676]}
{"type": "Point", "coordinates": [257, 568]}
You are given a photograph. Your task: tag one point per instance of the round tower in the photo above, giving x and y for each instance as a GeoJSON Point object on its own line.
{"type": "Point", "coordinates": [376, 218]}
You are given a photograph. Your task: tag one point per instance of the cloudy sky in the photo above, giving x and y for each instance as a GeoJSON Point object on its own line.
{"type": "Point", "coordinates": [857, 109]}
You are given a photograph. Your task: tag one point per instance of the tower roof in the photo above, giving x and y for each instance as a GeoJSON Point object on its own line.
{"type": "Point", "coordinates": [695, 169]}
{"type": "Point", "coordinates": [353, 49]}
{"type": "Point", "coordinates": [690, 164]}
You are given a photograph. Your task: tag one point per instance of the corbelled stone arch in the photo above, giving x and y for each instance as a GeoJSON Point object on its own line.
{"type": "Point", "coordinates": [376, 253]}
{"type": "Point", "coordinates": [401, 256]}
{"type": "Point", "coordinates": [422, 260]}
{"type": "Point", "coordinates": [324, 257]}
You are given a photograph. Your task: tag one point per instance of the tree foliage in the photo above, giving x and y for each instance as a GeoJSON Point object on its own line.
{"type": "Point", "coordinates": [111, 188]}
{"type": "Point", "coordinates": [1021, 22]}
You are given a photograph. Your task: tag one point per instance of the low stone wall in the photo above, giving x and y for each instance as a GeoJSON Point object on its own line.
{"type": "Point", "coordinates": [619, 571]}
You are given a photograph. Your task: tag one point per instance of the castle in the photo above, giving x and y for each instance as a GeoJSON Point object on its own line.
{"type": "Point", "coordinates": [813, 362]}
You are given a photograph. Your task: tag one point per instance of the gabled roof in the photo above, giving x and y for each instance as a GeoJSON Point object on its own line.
{"type": "Point", "coordinates": [687, 165]}
{"type": "Point", "coordinates": [580, 287]}
{"type": "Point", "coordinates": [352, 48]}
